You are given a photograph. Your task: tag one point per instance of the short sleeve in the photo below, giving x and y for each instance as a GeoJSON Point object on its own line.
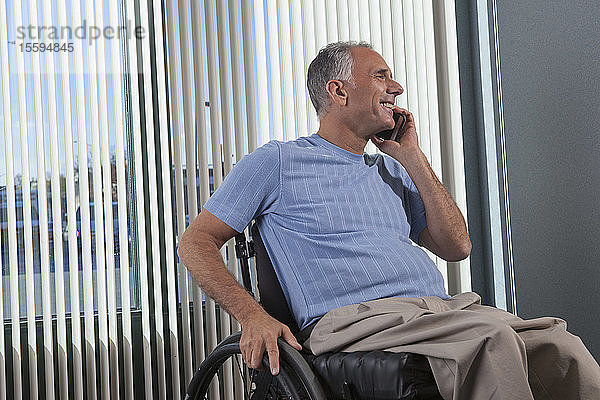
{"type": "Point", "coordinates": [250, 189]}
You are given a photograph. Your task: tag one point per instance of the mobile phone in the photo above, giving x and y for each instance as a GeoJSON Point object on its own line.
{"type": "Point", "coordinates": [392, 134]}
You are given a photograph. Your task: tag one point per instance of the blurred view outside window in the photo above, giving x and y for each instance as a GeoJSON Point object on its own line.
{"type": "Point", "coordinates": [17, 36]}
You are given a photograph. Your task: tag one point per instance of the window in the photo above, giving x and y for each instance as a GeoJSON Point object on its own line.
{"type": "Point", "coordinates": [97, 113]}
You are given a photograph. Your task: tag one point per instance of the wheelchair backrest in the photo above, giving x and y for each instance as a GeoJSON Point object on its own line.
{"type": "Point", "coordinates": [271, 295]}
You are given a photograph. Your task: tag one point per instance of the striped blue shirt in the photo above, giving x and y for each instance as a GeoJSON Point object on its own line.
{"type": "Point", "coordinates": [337, 225]}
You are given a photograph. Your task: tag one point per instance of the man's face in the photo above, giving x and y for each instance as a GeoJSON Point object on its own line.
{"type": "Point", "coordinates": [374, 91]}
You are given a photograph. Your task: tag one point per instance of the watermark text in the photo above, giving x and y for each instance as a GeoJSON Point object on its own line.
{"type": "Point", "coordinates": [86, 32]}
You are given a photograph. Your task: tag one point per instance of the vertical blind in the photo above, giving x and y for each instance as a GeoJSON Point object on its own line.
{"type": "Point", "coordinates": [65, 212]}
{"type": "Point", "coordinates": [127, 137]}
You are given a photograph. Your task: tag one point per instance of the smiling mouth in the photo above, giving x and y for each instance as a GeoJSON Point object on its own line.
{"type": "Point", "coordinates": [387, 106]}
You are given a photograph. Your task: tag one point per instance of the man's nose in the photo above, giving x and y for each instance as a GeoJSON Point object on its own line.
{"type": "Point", "coordinates": [394, 88]}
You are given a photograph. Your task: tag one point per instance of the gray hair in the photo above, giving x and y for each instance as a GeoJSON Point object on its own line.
{"type": "Point", "coordinates": [334, 61]}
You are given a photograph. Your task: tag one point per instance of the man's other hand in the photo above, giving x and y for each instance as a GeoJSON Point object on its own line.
{"type": "Point", "coordinates": [259, 333]}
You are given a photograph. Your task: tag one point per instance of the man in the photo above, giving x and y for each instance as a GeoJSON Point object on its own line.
{"type": "Point", "coordinates": [338, 227]}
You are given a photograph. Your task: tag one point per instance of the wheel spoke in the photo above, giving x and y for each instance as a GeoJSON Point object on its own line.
{"type": "Point", "coordinates": [243, 371]}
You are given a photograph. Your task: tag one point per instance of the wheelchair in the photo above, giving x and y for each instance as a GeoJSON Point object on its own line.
{"type": "Point", "coordinates": [372, 375]}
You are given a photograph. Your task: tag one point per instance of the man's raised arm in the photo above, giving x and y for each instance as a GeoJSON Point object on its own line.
{"type": "Point", "coordinates": [199, 252]}
{"type": "Point", "coordinates": [446, 232]}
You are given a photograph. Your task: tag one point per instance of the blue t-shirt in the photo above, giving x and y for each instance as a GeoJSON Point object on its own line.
{"type": "Point", "coordinates": [337, 225]}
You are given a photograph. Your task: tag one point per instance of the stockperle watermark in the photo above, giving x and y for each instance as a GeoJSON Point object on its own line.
{"type": "Point", "coordinates": [32, 38]}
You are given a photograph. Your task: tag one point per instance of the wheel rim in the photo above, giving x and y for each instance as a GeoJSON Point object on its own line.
{"type": "Point", "coordinates": [282, 386]}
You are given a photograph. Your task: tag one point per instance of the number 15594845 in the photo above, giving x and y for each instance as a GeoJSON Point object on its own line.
{"type": "Point", "coordinates": [42, 47]}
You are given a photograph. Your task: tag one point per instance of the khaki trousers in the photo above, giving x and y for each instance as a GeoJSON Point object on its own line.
{"type": "Point", "coordinates": [476, 352]}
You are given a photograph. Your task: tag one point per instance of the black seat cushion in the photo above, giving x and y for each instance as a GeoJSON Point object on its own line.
{"type": "Point", "coordinates": [375, 375]}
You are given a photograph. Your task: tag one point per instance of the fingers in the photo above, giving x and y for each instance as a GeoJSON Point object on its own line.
{"type": "Point", "coordinates": [245, 349]}
{"type": "Point", "coordinates": [291, 339]}
{"type": "Point", "coordinates": [378, 142]}
{"type": "Point", "coordinates": [252, 353]}
{"type": "Point", "coordinates": [258, 336]}
{"type": "Point", "coordinates": [256, 358]}
{"type": "Point", "coordinates": [408, 114]}
{"type": "Point", "coordinates": [273, 352]}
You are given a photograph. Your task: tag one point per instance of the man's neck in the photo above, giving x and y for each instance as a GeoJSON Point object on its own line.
{"type": "Point", "coordinates": [342, 136]}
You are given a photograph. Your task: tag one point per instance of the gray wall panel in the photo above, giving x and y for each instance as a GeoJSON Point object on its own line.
{"type": "Point", "coordinates": [550, 63]}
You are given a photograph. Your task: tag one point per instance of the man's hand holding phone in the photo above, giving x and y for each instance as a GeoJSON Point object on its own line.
{"type": "Point", "coordinates": [402, 139]}
{"type": "Point", "coordinates": [394, 133]}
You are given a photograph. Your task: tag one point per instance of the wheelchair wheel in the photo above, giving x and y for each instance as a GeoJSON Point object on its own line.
{"type": "Point", "coordinates": [295, 381]}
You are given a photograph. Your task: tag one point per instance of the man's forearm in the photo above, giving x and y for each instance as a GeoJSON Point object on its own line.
{"type": "Point", "coordinates": [445, 222]}
{"type": "Point", "coordinates": [204, 261]}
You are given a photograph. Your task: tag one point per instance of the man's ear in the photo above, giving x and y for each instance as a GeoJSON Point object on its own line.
{"type": "Point", "coordinates": [337, 92]}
